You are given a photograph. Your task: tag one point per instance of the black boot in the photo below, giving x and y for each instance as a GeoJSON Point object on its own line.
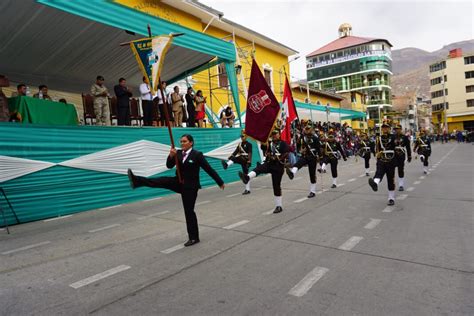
{"type": "Point", "coordinates": [373, 185]}
{"type": "Point", "coordinates": [391, 202]}
{"type": "Point", "coordinates": [245, 178]}
{"type": "Point", "coordinates": [224, 164]}
{"type": "Point", "coordinates": [277, 210]}
{"type": "Point", "coordinates": [289, 173]}
{"type": "Point", "coordinates": [311, 195]}
{"type": "Point", "coordinates": [131, 178]}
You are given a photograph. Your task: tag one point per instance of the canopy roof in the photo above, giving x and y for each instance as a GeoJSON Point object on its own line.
{"type": "Point", "coordinates": [67, 48]}
{"type": "Point", "coordinates": [346, 114]}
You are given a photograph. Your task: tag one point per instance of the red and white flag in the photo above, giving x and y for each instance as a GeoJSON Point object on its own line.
{"type": "Point", "coordinates": [289, 116]}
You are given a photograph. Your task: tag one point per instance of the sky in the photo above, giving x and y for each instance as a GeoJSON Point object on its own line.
{"type": "Point", "coordinates": [307, 25]}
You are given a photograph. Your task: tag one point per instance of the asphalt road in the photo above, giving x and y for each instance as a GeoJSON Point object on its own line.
{"type": "Point", "coordinates": [343, 252]}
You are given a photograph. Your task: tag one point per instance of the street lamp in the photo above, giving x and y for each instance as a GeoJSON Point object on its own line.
{"type": "Point", "coordinates": [281, 72]}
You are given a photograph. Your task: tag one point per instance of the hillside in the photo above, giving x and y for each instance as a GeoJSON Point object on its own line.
{"type": "Point", "coordinates": [411, 66]}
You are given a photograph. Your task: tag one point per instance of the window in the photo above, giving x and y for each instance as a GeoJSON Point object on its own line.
{"type": "Point", "coordinates": [469, 74]}
{"type": "Point", "coordinates": [435, 81]}
{"type": "Point", "coordinates": [468, 60]}
{"type": "Point", "coordinates": [445, 78]}
{"type": "Point", "coordinates": [469, 88]}
{"type": "Point", "coordinates": [470, 102]}
{"type": "Point", "coordinates": [439, 106]}
{"type": "Point", "coordinates": [223, 81]}
{"type": "Point", "coordinates": [438, 66]}
{"type": "Point", "coordinates": [439, 93]}
{"type": "Point", "coordinates": [268, 77]}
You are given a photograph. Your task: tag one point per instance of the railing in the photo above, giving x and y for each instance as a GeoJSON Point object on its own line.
{"type": "Point", "coordinates": [323, 63]}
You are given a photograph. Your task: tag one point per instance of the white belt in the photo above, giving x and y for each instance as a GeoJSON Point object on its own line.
{"type": "Point", "coordinates": [366, 148]}
{"type": "Point", "coordinates": [388, 151]}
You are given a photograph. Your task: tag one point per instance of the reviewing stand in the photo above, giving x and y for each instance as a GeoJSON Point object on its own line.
{"type": "Point", "coordinates": [3, 212]}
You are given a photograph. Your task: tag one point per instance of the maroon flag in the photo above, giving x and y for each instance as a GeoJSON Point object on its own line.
{"type": "Point", "coordinates": [262, 107]}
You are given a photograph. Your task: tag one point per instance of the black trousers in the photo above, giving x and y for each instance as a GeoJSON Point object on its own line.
{"type": "Point", "coordinates": [123, 116]}
{"type": "Point", "coordinates": [276, 169]}
{"type": "Point", "coordinates": [426, 154]}
{"type": "Point", "coordinates": [191, 117]}
{"type": "Point", "coordinates": [366, 160]}
{"type": "Point", "coordinates": [161, 107]}
{"type": "Point", "coordinates": [333, 162]}
{"type": "Point", "coordinates": [147, 107]}
{"type": "Point", "coordinates": [400, 164]}
{"type": "Point", "coordinates": [188, 197]}
{"type": "Point", "coordinates": [311, 162]}
{"type": "Point", "coordinates": [242, 162]}
{"type": "Point", "coordinates": [386, 168]}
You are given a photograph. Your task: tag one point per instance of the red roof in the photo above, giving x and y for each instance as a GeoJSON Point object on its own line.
{"type": "Point", "coordinates": [344, 42]}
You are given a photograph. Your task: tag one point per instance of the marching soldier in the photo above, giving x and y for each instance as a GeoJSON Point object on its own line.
{"type": "Point", "coordinates": [276, 154]}
{"type": "Point", "coordinates": [367, 147]}
{"type": "Point", "coordinates": [385, 154]}
{"type": "Point", "coordinates": [402, 152]}
{"type": "Point", "coordinates": [309, 147]}
{"type": "Point", "coordinates": [332, 152]}
{"type": "Point", "coordinates": [242, 155]}
{"type": "Point", "coordinates": [423, 148]}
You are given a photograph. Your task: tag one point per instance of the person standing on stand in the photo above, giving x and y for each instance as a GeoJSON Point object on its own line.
{"type": "Point", "coordinates": [161, 105]}
{"type": "Point", "coordinates": [276, 155]}
{"type": "Point", "coordinates": [190, 108]}
{"type": "Point", "coordinates": [147, 102]}
{"type": "Point", "coordinates": [101, 102]}
{"type": "Point", "coordinates": [385, 154]}
{"type": "Point", "coordinates": [309, 147]}
{"type": "Point", "coordinates": [402, 152]}
{"type": "Point", "coordinates": [190, 162]}
{"type": "Point", "coordinates": [242, 155]}
{"type": "Point", "coordinates": [123, 94]}
{"type": "Point", "coordinates": [200, 108]}
{"type": "Point", "coordinates": [423, 148]}
{"type": "Point", "coordinates": [177, 106]}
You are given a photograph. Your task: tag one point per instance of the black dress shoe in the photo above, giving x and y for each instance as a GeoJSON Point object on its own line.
{"type": "Point", "coordinates": [224, 164]}
{"type": "Point", "coordinates": [333, 186]}
{"type": "Point", "coordinates": [245, 178]}
{"type": "Point", "coordinates": [320, 170]}
{"type": "Point", "coordinates": [191, 242]}
{"type": "Point", "coordinates": [311, 195]}
{"type": "Point", "coordinates": [131, 178]}
{"type": "Point", "coordinates": [246, 192]}
{"type": "Point", "coordinates": [401, 188]}
{"type": "Point", "coordinates": [289, 173]}
{"type": "Point", "coordinates": [373, 185]}
{"type": "Point", "coordinates": [391, 202]}
{"type": "Point", "coordinates": [367, 174]}
{"type": "Point", "coordinates": [277, 210]}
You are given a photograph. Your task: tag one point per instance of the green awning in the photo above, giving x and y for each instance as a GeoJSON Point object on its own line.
{"type": "Point", "coordinates": [346, 114]}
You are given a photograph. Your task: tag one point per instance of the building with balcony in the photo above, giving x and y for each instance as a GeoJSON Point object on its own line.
{"type": "Point", "coordinates": [354, 64]}
{"type": "Point", "coordinates": [452, 92]}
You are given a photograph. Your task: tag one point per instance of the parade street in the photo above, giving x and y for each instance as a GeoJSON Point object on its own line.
{"type": "Point", "coordinates": [344, 252]}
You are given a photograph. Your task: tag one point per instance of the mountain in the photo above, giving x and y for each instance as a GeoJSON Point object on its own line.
{"type": "Point", "coordinates": [411, 66]}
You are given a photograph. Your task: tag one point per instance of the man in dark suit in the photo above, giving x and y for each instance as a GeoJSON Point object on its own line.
{"type": "Point", "coordinates": [190, 161]}
{"type": "Point", "coordinates": [190, 107]}
{"type": "Point", "coordinates": [123, 94]}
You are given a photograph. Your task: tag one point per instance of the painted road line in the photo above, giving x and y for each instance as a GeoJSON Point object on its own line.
{"type": "Point", "coordinates": [351, 243]}
{"type": "Point", "coordinates": [103, 228]}
{"type": "Point", "coordinates": [410, 189]}
{"type": "Point", "coordinates": [153, 215]}
{"type": "Point", "coordinates": [341, 185]}
{"type": "Point", "coordinates": [402, 196]}
{"type": "Point", "coordinates": [298, 178]}
{"type": "Point", "coordinates": [308, 281]}
{"type": "Point", "coordinates": [99, 276]}
{"type": "Point", "coordinates": [417, 182]}
{"type": "Point", "coordinates": [373, 223]}
{"type": "Point", "coordinates": [319, 192]}
{"type": "Point", "coordinates": [236, 224]}
{"type": "Point", "coordinates": [388, 209]}
{"type": "Point", "coordinates": [202, 202]}
{"type": "Point", "coordinates": [351, 180]}
{"type": "Point", "coordinates": [258, 189]}
{"type": "Point", "coordinates": [362, 175]}
{"type": "Point", "coordinates": [232, 195]}
{"type": "Point", "coordinates": [26, 247]}
{"type": "Point", "coordinates": [154, 199]}
{"type": "Point", "coordinates": [172, 249]}
{"type": "Point", "coordinates": [56, 218]}
{"type": "Point", "coordinates": [300, 200]}
{"type": "Point", "coordinates": [422, 177]}
{"type": "Point", "coordinates": [268, 212]}
{"type": "Point", "coordinates": [110, 207]}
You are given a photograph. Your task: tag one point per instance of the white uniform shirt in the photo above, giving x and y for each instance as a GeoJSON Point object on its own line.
{"type": "Point", "coordinates": [145, 92]}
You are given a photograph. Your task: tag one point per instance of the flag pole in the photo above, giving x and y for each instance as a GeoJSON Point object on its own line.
{"type": "Point", "coordinates": [167, 119]}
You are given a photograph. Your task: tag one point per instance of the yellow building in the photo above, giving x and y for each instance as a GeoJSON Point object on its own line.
{"type": "Point", "coordinates": [452, 86]}
{"type": "Point", "coordinates": [271, 56]}
{"type": "Point", "coordinates": [355, 101]}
